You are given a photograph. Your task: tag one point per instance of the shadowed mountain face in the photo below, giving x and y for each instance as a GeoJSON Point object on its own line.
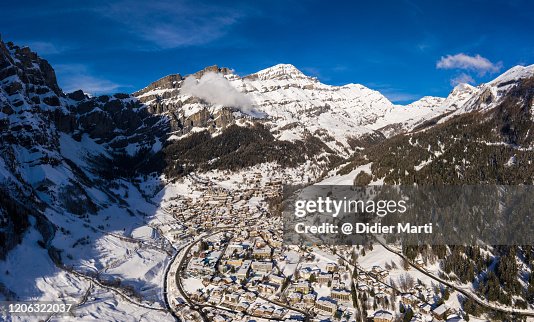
{"type": "Point", "coordinates": [71, 170]}
{"type": "Point", "coordinates": [57, 148]}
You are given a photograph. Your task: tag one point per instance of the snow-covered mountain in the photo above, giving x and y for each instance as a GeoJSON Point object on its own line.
{"type": "Point", "coordinates": [491, 94]}
{"type": "Point", "coordinates": [486, 136]}
{"type": "Point", "coordinates": [291, 104]}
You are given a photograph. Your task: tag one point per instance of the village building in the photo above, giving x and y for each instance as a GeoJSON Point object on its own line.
{"type": "Point", "coordinates": [262, 267]}
{"type": "Point", "coordinates": [243, 271]}
{"type": "Point", "coordinates": [340, 294]}
{"type": "Point", "coordinates": [383, 316]}
{"type": "Point", "coordinates": [440, 313]}
{"type": "Point", "coordinates": [327, 305]}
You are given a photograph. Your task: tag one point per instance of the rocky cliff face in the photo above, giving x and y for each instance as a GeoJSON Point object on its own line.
{"type": "Point", "coordinates": [163, 97]}
{"type": "Point", "coordinates": [32, 72]}
{"type": "Point", "coordinates": [28, 88]}
{"type": "Point", "coordinates": [29, 97]}
{"type": "Point", "coordinates": [56, 148]}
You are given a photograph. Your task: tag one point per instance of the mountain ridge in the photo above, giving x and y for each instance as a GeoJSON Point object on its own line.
{"type": "Point", "coordinates": [289, 71]}
{"type": "Point", "coordinates": [292, 101]}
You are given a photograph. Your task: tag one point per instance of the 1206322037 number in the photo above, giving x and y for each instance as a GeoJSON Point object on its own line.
{"type": "Point", "coordinates": [36, 308]}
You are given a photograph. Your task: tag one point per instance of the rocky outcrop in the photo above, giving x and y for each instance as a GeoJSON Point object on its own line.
{"type": "Point", "coordinates": [218, 120]}
{"type": "Point", "coordinates": [213, 69]}
{"type": "Point", "coordinates": [33, 72]}
{"type": "Point", "coordinates": [78, 95]}
{"type": "Point", "coordinates": [162, 98]}
{"type": "Point", "coordinates": [167, 82]}
{"type": "Point", "coordinates": [211, 121]}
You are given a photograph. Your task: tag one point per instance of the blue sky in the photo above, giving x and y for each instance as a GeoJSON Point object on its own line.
{"type": "Point", "coordinates": [405, 49]}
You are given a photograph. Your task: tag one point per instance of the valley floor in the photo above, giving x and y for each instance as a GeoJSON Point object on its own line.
{"type": "Point", "coordinates": [209, 248]}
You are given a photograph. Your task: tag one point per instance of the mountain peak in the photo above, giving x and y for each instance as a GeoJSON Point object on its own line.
{"type": "Point", "coordinates": [427, 102]}
{"type": "Point", "coordinates": [26, 68]}
{"type": "Point", "coordinates": [463, 87]}
{"type": "Point", "coordinates": [280, 71]}
{"type": "Point", "coordinates": [213, 69]}
{"type": "Point", "coordinates": [513, 74]}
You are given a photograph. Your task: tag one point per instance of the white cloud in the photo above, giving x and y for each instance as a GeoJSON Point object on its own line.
{"type": "Point", "coordinates": [171, 24]}
{"type": "Point", "coordinates": [73, 77]}
{"type": "Point", "coordinates": [216, 89]}
{"type": "Point", "coordinates": [462, 78]}
{"type": "Point", "coordinates": [476, 63]}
